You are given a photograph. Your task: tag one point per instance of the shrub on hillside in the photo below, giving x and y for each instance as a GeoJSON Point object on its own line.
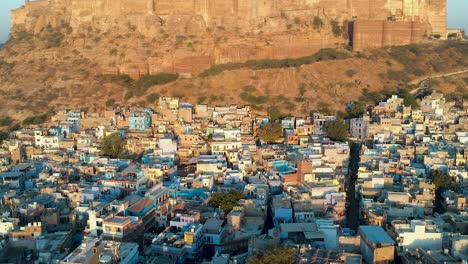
{"type": "Point", "coordinates": [35, 120]}
{"type": "Point", "coordinates": [350, 73]}
{"type": "Point", "coordinates": [8, 66]}
{"type": "Point", "coordinates": [317, 23]}
{"type": "Point", "coordinates": [336, 29]}
{"type": "Point", "coordinates": [201, 99]}
{"type": "Point", "coordinates": [110, 103]}
{"type": "Point", "coordinates": [138, 87]}
{"type": "Point", "coordinates": [409, 55]}
{"type": "Point", "coordinates": [141, 85]}
{"type": "Point", "coordinates": [321, 55]}
{"type": "Point", "coordinates": [398, 76]}
{"type": "Point", "coordinates": [52, 37]}
{"type": "Point", "coordinates": [274, 112]}
{"type": "Point", "coordinates": [151, 98]}
{"type": "Point", "coordinates": [249, 88]}
{"type": "Point", "coordinates": [5, 121]}
{"type": "Point", "coordinates": [252, 99]}
{"type": "Point", "coordinates": [324, 108]}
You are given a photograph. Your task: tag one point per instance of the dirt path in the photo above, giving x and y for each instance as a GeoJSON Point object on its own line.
{"type": "Point", "coordinates": [422, 79]}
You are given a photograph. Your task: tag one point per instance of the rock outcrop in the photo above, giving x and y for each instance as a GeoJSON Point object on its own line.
{"type": "Point", "coordinates": [196, 34]}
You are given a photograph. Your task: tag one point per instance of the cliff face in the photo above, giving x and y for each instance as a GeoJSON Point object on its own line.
{"type": "Point", "coordinates": [192, 35]}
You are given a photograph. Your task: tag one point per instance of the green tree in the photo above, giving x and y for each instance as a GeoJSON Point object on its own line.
{"type": "Point", "coordinates": [408, 98]}
{"type": "Point", "coordinates": [113, 146]}
{"type": "Point", "coordinates": [357, 110]}
{"type": "Point", "coordinates": [271, 132]}
{"type": "Point", "coordinates": [440, 179]}
{"type": "Point", "coordinates": [275, 255]}
{"type": "Point", "coordinates": [337, 131]}
{"type": "Point", "coordinates": [226, 201]}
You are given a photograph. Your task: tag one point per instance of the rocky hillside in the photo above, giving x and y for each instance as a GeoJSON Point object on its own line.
{"type": "Point", "coordinates": [140, 37]}
{"type": "Point", "coordinates": [280, 56]}
{"type": "Point", "coordinates": [38, 73]}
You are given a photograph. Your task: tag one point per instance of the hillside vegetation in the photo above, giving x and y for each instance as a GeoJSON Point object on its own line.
{"type": "Point", "coordinates": [39, 75]}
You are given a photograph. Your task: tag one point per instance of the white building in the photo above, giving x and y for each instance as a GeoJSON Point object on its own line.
{"type": "Point", "coordinates": [359, 128]}
{"type": "Point", "coordinates": [93, 249]}
{"type": "Point", "coordinates": [418, 234]}
{"type": "Point", "coordinates": [330, 232]}
{"type": "Point", "coordinates": [7, 225]}
{"type": "Point", "coordinates": [46, 141]}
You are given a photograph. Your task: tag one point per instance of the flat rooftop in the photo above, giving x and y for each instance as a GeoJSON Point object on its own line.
{"type": "Point", "coordinates": [376, 234]}
{"type": "Point", "coordinates": [117, 220]}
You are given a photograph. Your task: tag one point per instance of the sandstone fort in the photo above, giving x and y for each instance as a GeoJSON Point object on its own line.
{"type": "Point", "coordinates": [223, 31]}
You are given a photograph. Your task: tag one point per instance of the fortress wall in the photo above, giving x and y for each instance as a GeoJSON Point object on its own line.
{"type": "Point", "coordinates": [36, 4]}
{"type": "Point", "coordinates": [201, 8]}
{"type": "Point", "coordinates": [222, 13]}
{"type": "Point", "coordinates": [396, 33]}
{"type": "Point", "coordinates": [395, 7]}
{"type": "Point", "coordinates": [174, 7]}
{"type": "Point", "coordinates": [412, 8]}
{"type": "Point", "coordinates": [18, 16]}
{"type": "Point", "coordinates": [367, 34]}
{"type": "Point", "coordinates": [370, 27]}
{"type": "Point", "coordinates": [112, 7]}
{"type": "Point", "coordinates": [436, 15]}
{"type": "Point", "coordinates": [84, 11]}
{"type": "Point", "coordinates": [288, 5]}
{"type": "Point", "coordinates": [368, 9]}
{"type": "Point", "coordinates": [260, 8]}
{"type": "Point", "coordinates": [377, 33]}
{"type": "Point", "coordinates": [28, 14]}
{"type": "Point", "coordinates": [134, 7]}
{"type": "Point", "coordinates": [417, 32]}
{"type": "Point", "coordinates": [241, 12]}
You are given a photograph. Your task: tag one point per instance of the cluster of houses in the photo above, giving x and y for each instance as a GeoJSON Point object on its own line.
{"type": "Point", "coordinates": [64, 201]}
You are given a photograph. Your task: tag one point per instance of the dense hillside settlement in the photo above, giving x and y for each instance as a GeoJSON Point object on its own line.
{"type": "Point", "coordinates": [183, 183]}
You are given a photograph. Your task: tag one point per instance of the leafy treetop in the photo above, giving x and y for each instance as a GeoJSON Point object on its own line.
{"type": "Point", "coordinates": [113, 146]}
{"type": "Point", "coordinates": [270, 133]}
{"type": "Point", "coordinates": [226, 201]}
{"type": "Point", "coordinates": [337, 130]}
